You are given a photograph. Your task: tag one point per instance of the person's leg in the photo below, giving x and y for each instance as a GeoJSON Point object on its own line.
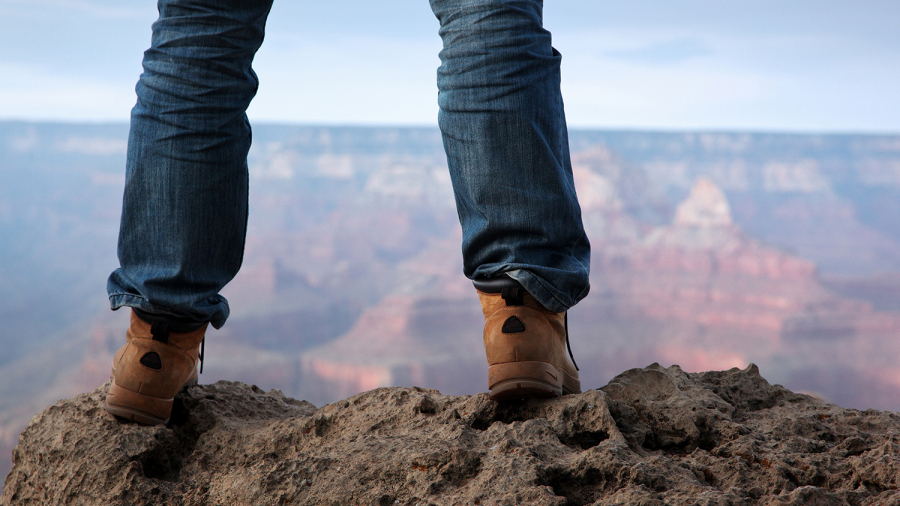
{"type": "Point", "coordinates": [184, 213]}
{"type": "Point", "coordinates": [524, 246]}
{"type": "Point", "coordinates": [504, 131]}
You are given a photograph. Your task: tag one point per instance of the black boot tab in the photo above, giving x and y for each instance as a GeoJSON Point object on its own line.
{"type": "Point", "coordinates": [160, 331]}
{"type": "Point", "coordinates": [508, 288]}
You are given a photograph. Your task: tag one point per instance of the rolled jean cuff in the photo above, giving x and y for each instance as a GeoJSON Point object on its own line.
{"type": "Point", "coordinates": [214, 312]}
{"type": "Point", "coordinates": [551, 298]}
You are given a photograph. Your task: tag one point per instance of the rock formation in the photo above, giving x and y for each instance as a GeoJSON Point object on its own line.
{"type": "Point", "coordinates": [706, 206]}
{"type": "Point", "coordinates": [650, 436]}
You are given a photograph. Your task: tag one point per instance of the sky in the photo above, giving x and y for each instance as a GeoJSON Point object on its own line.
{"type": "Point", "coordinates": [759, 65]}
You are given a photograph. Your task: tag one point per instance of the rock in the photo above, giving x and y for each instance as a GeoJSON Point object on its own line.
{"type": "Point", "coordinates": [706, 206]}
{"type": "Point", "coordinates": [651, 436]}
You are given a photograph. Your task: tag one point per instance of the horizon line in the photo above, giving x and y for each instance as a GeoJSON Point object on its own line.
{"type": "Point", "coordinates": [434, 126]}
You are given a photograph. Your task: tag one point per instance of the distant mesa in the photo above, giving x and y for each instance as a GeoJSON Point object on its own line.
{"type": "Point", "coordinates": [596, 193]}
{"type": "Point", "coordinates": [706, 206]}
{"type": "Point", "coordinates": [703, 222]}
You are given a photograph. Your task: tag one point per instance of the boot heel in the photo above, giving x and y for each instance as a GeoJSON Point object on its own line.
{"type": "Point", "coordinates": [524, 379]}
{"type": "Point", "coordinates": [121, 402]}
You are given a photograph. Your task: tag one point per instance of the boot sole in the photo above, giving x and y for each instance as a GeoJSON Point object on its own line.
{"type": "Point", "coordinates": [520, 380]}
{"type": "Point", "coordinates": [140, 408]}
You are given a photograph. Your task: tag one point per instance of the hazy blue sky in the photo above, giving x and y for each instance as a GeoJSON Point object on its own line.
{"type": "Point", "coordinates": [807, 65]}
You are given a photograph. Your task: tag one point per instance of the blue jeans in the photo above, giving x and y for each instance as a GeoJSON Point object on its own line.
{"type": "Point", "coordinates": [184, 216]}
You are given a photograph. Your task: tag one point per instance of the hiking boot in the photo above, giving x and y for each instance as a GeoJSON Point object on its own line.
{"type": "Point", "coordinates": [525, 344]}
{"type": "Point", "coordinates": [152, 367]}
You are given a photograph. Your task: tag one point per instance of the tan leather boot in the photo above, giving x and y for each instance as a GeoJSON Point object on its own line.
{"type": "Point", "coordinates": [152, 367]}
{"type": "Point", "coordinates": [526, 347]}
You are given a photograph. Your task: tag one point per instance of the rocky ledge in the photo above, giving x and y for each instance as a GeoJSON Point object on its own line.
{"type": "Point", "coordinates": [651, 436]}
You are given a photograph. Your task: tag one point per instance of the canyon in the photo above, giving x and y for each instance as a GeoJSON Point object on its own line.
{"type": "Point", "coordinates": [710, 251]}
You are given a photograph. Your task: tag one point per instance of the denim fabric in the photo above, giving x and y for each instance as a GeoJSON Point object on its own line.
{"type": "Point", "coordinates": [184, 214]}
{"type": "Point", "coordinates": [504, 130]}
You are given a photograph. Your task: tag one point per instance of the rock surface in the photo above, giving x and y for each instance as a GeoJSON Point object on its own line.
{"type": "Point", "coordinates": [651, 436]}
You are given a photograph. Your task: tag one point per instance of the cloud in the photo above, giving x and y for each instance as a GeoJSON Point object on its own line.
{"type": "Point", "coordinates": [674, 79]}
{"type": "Point", "coordinates": [93, 145]}
{"type": "Point", "coordinates": [644, 64]}
{"type": "Point", "coordinates": [96, 8]}
{"type": "Point", "coordinates": [359, 79]}
{"type": "Point", "coordinates": [664, 52]}
{"type": "Point", "coordinates": [621, 93]}
{"type": "Point", "coordinates": [36, 94]}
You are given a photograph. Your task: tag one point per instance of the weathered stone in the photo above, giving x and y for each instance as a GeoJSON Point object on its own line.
{"type": "Point", "coordinates": [652, 436]}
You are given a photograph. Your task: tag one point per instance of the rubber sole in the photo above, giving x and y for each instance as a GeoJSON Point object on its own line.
{"type": "Point", "coordinates": [522, 380]}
